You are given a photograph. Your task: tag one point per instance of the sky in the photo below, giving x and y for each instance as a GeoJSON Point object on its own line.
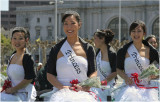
{"type": "Point", "coordinates": [4, 5]}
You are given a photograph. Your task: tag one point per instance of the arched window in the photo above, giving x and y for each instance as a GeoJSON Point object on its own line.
{"type": "Point", "coordinates": [113, 25]}
{"type": "Point", "coordinates": [155, 28]}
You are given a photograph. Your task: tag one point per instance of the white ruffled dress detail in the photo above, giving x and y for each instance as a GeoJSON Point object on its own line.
{"type": "Point", "coordinates": [134, 93]}
{"type": "Point", "coordinates": [64, 76]}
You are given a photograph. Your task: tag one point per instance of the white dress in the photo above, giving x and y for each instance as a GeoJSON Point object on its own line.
{"type": "Point", "coordinates": [134, 93]}
{"type": "Point", "coordinates": [64, 76]}
{"type": "Point", "coordinates": [16, 75]}
{"type": "Point", "coordinates": [106, 68]}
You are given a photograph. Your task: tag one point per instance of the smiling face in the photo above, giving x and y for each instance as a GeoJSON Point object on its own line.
{"type": "Point", "coordinates": [137, 34]}
{"type": "Point", "coordinates": [18, 40]}
{"type": "Point", "coordinates": [71, 26]}
{"type": "Point", "coordinates": [153, 42]}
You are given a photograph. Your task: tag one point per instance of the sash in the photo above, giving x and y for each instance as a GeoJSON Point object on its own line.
{"type": "Point", "coordinates": [99, 66]}
{"type": "Point", "coordinates": [137, 59]}
{"type": "Point", "coordinates": [69, 54]}
{"type": "Point", "coordinates": [103, 75]}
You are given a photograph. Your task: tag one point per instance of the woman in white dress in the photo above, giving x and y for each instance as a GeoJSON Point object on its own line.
{"type": "Point", "coordinates": [20, 70]}
{"type": "Point", "coordinates": [72, 58]}
{"type": "Point", "coordinates": [134, 57]}
{"type": "Point", "coordinates": [106, 61]}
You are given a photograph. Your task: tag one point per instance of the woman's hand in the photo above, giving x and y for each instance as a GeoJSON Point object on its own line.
{"type": "Point", "coordinates": [85, 88]}
{"type": "Point", "coordinates": [153, 77]}
{"type": "Point", "coordinates": [80, 88]}
{"type": "Point", "coordinates": [66, 87]}
{"type": "Point", "coordinates": [128, 81]}
{"type": "Point", "coordinates": [10, 90]}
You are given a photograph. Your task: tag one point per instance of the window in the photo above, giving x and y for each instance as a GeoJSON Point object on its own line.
{"type": "Point", "coordinates": [17, 2]}
{"type": "Point", "coordinates": [26, 20]}
{"type": "Point", "coordinates": [155, 28]}
{"type": "Point", "coordinates": [38, 20]}
{"type": "Point", "coordinates": [4, 22]}
{"type": "Point", "coordinates": [49, 29]}
{"type": "Point", "coordinates": [113, 25]}
{"type": "Point", "coordinates": [32, 2]}
{"type": "Point", "coordinates": [13, 23]}
{"type": "Point", "coordinates": [13, 16]}
{"type": "Point", "coordinates": [49, 19]}
{"type": "Point", "coordinates": [44, 3]}
{"type": "Point", "coordinates": [12, 9]}
{"type": "Point", "coordinates": [37, 28]}
{"type": "Point", "coordinates": [4, 16]}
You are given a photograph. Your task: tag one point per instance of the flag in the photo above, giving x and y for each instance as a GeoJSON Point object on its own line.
{"type": "Point", "coordinates": [38, 40]}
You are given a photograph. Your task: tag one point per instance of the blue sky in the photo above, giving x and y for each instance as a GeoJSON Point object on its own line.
{"type": "Point", "coordinates": [4, 5]}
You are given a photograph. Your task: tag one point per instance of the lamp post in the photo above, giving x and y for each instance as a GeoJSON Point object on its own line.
{"type": "Point", "coordinates": [55, 28]}
{"type": "Point", "coordinates": [119, 30]}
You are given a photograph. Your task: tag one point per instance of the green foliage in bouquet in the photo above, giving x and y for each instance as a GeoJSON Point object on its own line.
{"type": "Point", "coordinates": [92, 82]}
{"type": "Point", "coordinates": [151, 70]}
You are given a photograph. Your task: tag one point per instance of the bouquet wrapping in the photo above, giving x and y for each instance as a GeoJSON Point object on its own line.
{"type": "Point", "coordinates": [91, 82]}
{"type": "Point", "coordinates": [151, 70]}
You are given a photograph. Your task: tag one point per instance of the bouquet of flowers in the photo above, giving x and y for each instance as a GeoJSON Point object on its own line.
{"type": "Point", "coordinates": [7, 84]}
{"type": "Point", "coordinates": [91, 82]}
{"type": "Point", "coordinates": [151, 70]}
{"type": "Point", "coordinates": [94, 82]}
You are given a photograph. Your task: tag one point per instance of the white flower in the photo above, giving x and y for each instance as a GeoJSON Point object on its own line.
{"type": "Point", "coordinates": [151, 70]}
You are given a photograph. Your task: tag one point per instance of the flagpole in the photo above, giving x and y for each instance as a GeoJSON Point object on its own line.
{"type": "Point", "coordinates": [39, 45]}
{"type": "Point", "coordinates": [119, 22]}
{"type": "Point", "coordinates": [55, 29]}
{"type": "Point", "coordinates": [39, 53]}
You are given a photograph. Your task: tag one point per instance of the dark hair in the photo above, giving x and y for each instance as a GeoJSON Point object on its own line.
{"type": "Point", "coordinates": [23, 30]}
{"type": "Point", "coordinates": [70, 13]}
{"type": "Point", "coordinates": [107, 34]}
{"type": "Point", "coordinates": [149, 37]}
{"type": "Point", "coordinates": [137, 23]}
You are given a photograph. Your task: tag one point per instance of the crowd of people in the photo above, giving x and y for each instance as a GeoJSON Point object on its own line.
{"type": "Point", "coordinates": [74, 58]}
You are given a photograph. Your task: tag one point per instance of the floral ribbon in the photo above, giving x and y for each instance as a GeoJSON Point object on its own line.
{"type": "Point", "coordinates": [90, 92]}
{"type": "Point", "coordinates": [136, 80]}
{"type": "Point", "coordinates": [7, 84]}
{"type": "Point", "coordinates": [74, 82]}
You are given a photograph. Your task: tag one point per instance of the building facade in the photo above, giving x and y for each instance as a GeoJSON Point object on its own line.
{"type": "Point", "coordinates": [94, 14]}
{"type": "Point", "coordinates": [100, 14]}
{"type": "Point", "coordinates": [8, 18]}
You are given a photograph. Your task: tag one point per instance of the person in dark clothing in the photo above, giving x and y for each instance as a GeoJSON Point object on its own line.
{"type": "Point", "coordinates": [42, 84]}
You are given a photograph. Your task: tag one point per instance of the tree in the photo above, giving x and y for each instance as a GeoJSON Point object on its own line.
{"type": "Point", "coordinates": [6, 48]}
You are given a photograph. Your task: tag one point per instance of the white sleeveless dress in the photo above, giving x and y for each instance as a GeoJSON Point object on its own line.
{"type": "Point", "coordinates": [134, 93]}
{"type": "Point", "coordinates": [16, 74]}
{"type": "Point", "coordinates": [64, 76]}
{"type": "Point", "coordinates": [106, 68]}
